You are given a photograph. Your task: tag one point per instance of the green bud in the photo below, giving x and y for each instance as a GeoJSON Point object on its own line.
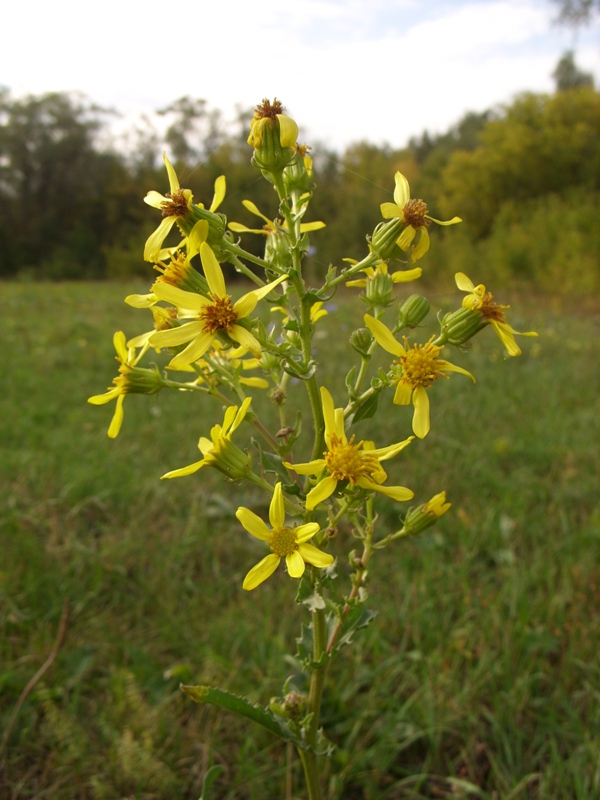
{"type": "Point", "coordinates": [413, 311]}
{"type": "Point", "coordinates": [378, 289]}
{"type": "Point", "coordinates": [424, 516]}
{"type": "Point", "coordinates": [277, 250]}
{"type": "Point", "coordinates": [230, 460]}
{"type": "Point", "coordinates": [273, 137]}
{"type": "Point", "coordinates": [361, 340]}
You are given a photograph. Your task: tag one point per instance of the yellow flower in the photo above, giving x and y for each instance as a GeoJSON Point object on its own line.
{"type": "Point", "coordinates": [270, 227]}
{"type": "Point", "coordinates": [419, 519]}
{"type": "Point", "coordinates": [372, 273]}
{"type": "Point", "coordinates": [418, 367]}
{"type": "Point", "coordinates": [176, 205]}
{"type": "Point", "coordinates": [414, 214]}
{"type": "Point", "coordinates": [214, 314]}
{"type": "Point", "coordinates": [283, 541]}
{"type": "Point", "coordinates": [219, 451]}
{"type": "Point", "coordinates": [269, 118]}
{"type": "Point", "coordinates": [131, 380]}
{"type": "Point", "coordinates": [354, 464]}
{"type": "Point", "coordinates": [480, 300]}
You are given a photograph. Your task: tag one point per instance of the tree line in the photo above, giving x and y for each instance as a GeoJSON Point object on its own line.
{"type": "Point", "coordinates": [525, 178]}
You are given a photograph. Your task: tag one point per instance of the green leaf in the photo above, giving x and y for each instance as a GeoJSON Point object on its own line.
{"type": "Point", "coordinates": [243, 707]}
{"type": "Point", "coordinates": [350, 381]}
{"type": "Point", "coordinates": [210, 777]}
{"type": "Point", "coordinates": [358, 617]}
{"type": "Point", "coordinates": [367, 410]}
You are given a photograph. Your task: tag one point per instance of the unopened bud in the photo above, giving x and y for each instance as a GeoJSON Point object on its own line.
{"type": "Point", "coordinates": [424, 516]}
{"type": "Point", "coordinates": [413, 311]}
{"type": "Point", "coordinates": [273, 137]}
{"type": "Point", "coordinates": [361, 340]}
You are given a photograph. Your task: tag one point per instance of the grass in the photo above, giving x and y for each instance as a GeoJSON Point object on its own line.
{"type": "Point", "coordinates": [480, 676]}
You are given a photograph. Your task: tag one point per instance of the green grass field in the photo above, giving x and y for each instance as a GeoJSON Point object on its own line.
{"type": "Point", "coordinates": [481, 669]}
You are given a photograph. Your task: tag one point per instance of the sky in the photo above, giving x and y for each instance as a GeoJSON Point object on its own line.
{"type": "Point", "coordinates": [346, 70]}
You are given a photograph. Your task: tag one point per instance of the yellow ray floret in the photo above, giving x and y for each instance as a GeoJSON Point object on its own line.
{"type": "Point", "coordinates": [414, 214]}
{"type": "Point", "coordinates": [347, 463]}
{"type": "Point", "coordinates": [284, 542]}
{"type": "Point", "coordinates": [416, 369]}
{"type": "Point", "coordinates": [479, 300]}
{"type": "Point", "coordinates": [213, 315]}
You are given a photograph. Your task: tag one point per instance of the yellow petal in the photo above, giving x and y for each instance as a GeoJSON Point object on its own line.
{"type": "Point", "coordinates": [400, 493]}
{"type": "Point", "coordinates": [448, 367]}
{"type": "Point", "coordinates": [156, 239]}
{"type": "Point", "coordinates": [403, 393]}
{"type": "Point", "coordinates": [391, 211]}
{"type": "Point", "coordinates": [308, 467]}
{"type": "Point", "coordinates": [119, 344]}
{"type": "Point", "coordinates": [219, 196]}
{"type": "Point", "coordinates": [176, 336]}
{"type": "Point", "coordinates": [212, 270]}
{"type": "Point", "coordinates": [247, 303]}
{"type": "Point", "coordinates": [253, 523]}
{"type": "Point", "coordinates": [421, 247]}
{"type": "Point", "coordinates": [322, 491]}
{"type": "Point", "coordinates": [406, 275]}
{"type": "Point", "coordinates": [276, 508]}
{"type": "Point", "coordinates": [192, 352]}
{"type": "Point", "coordinates": [328, 411]}
{"type": "Point", "coordinates": [312, 555]}
{"type": "Point", "coordinates": [189, 470]}
{"type": "Point", "coordinates": [306, 531]}
{"type": "Point", "coordinates": [263, 570]}
{"type": "Point", "coordinates": [383, 336]}
{"type": "Point", "coordinates": [452, 221]}
{"type": "Point", "coordinates": [464, 284]}
{"type": "Point", "coordinates": [288, 130]}
{"type": "Point", "coordinates": [405, 239]}
{"type": "Point", "coordinates": [117, 420]}
{"type": "Point", "coordinates": [295, 565]}
{"type": "Point", "coordinates": [101, 399]}
{"type": "Point", "coordinates": [155, 199]}
{"type": "Point", "coordinates": [421, 416]}
{"type": "Point", "coordinates": [253, 209]}
{"type": "Point", "coordinates": [402, 190]}
{"type": "Point", "coordinates": [173, 179]}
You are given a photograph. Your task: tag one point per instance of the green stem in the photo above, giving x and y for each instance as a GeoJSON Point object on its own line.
{"type": "Point", "coordinates": [310, 759]}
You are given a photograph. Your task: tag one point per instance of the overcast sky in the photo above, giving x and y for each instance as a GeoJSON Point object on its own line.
{"type": "Point", "coordinates": [382, 70]}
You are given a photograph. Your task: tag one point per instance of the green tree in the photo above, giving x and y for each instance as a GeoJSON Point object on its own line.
{"type": "Point", "coordinates": [567, 74]}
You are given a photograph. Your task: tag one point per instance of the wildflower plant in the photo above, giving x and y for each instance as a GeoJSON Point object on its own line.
{"type": "Point", "coordinates": [319, 479]}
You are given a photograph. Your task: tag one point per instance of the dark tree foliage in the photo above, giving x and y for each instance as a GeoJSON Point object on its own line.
{"type": "Point", "coordinates": [576, 12]}
{"type": "Point", "coordinates": [62, 197]}
{"type": "Point", "coordinates": [567, 74]}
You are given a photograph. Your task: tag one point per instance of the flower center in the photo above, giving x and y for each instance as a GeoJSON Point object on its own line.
{"type": "Point", "coordinates": [176, 206]}
{"type": "Point", "coordinates": [345, 462]}
{"type": "Point", "coordinates": [268, 110]}
{"type": "Point", "coordinates": [420, 364]}
{"type": "Point", "coordinates": [282, 541]}
{"type": "Point", "coordinates": [175, 272]}
{"type": "Point", "coordinates": [218, 315]}
{"type": "Point", "coordinates": [414, 214]}
{"type": "Point", "coordinates": [491, 311]}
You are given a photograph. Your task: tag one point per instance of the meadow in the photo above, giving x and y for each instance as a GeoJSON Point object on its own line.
{"type": "Point", "coordinates": [480, 676]}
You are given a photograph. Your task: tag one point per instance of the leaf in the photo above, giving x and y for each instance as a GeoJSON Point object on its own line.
{"type": "Point", "coordinates": [243, 707]}
{"type": "Point", "coordinates": [358, 617]}
{"type": "Point", "coordinates": [367, 410]}
{"type": "Point", "coordinates": [210, 777]}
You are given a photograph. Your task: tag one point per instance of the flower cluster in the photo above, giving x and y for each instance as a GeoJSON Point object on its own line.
{"type": "Point", "coordinates": [213, 333]}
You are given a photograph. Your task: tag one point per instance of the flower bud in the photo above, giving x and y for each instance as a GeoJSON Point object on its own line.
{"type": "Point", "coordinates": [138, 380]}
{"type": "Point", "coordinates": [273, 137]}
{"type": "Point", "coordinates": [297, 176]}
{"type": "Point", "coordinates": [361, 340]}
{"type": "Point", "coordinates": [378, 289]}
{"type": "Point", "coordinates": [424, 516]}
{"type": "Point", "coordinates": [460, 326]}
{"type": "Point", "coordinates": [277, 250]}
{"type": "Point", "coordinates": [413, 311]}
